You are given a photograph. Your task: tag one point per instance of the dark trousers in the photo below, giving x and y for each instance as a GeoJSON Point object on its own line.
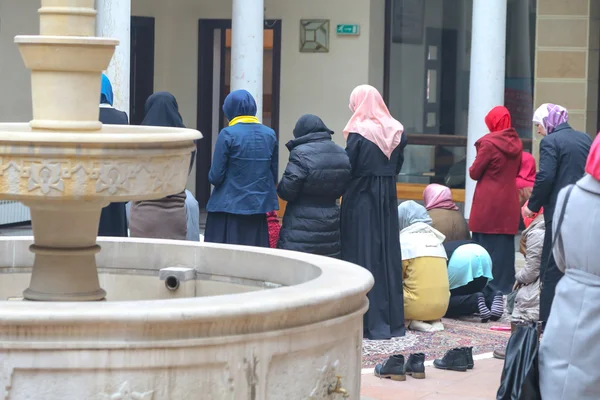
{"type": "Point", "coordinates": [464, 299]}
{"type": "Point", "coordinates": [550, 276]}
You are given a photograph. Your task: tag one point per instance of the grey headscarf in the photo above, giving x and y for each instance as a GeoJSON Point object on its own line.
{"type": "Point", "coordinates": [411, 212]}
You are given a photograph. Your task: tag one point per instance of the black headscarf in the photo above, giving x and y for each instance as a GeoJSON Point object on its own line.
{"type": "Point", "coordinates": [162, 110]}
{"type": "Point", "coordinates": [310, 124]}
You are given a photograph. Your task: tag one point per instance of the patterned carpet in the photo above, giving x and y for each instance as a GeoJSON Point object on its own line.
{"type": "Point", "coordinates": [457, 333]}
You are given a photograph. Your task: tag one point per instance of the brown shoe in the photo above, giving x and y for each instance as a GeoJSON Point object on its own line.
{"type": "Point", "coordinates": [500, 354]}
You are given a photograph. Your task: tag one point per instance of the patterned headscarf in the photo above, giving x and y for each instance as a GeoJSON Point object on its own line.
{"type": "Point", "coordinates": [550, 116]}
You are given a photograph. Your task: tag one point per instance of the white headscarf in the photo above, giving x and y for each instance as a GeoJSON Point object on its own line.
{"type": "Point", "coordinates": [550, 116]}
{"type": "Point", "coordinates": [417, 237]}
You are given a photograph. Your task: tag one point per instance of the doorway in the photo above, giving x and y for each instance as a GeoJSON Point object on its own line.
{"type": "Point", "coordinates": [142, 67]}
{"type": "Point", "coordinates": [214, 69]}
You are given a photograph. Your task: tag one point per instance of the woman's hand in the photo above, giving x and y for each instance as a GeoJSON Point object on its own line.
{"type": "Point", "coordinates": [527, 212]}
{"type": "Point", "coordinates": [518, 285]}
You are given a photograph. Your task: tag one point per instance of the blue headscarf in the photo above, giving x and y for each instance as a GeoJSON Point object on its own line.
{"type": "Point", "coordinates": [239, 103]}
{"type": "Point", "coordinates": [410, 212]}
{"type": "Point", "coordinates": [106, 94]}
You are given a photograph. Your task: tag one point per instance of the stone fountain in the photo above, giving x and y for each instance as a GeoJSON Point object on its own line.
{"type": "Point", "coordinates": [179, 320]}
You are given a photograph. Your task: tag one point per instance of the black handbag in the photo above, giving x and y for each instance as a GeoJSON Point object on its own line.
{"type": "Point", "coordinates": [520, 375]}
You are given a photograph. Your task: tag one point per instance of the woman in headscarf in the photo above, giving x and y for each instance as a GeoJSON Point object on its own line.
{"type": "Point", "coordinates": [113, 220]}
{"type": "Point", "coordinates": [424, 270]}
{"type": "Point", "coordinates": [494, 218]}
{"type": "Point", "coordinates": [469, 271]}
{"type": "Point", "coordinates": [244, 174]}
{"type": "Point", "coordinates": [527, 279]}
{"type": "Point", "coordinates": [171, 217]}
{"type": "Point", "coordinates": [315, 178]}
{"type": "Point", "coordinates": [444, 213]}
{"type": "Point", "coordinates": [563, 154]}
{"type": "Point", "coordinates": [569, 352]}
{"type": "Point", "coordinates": [369, 225]}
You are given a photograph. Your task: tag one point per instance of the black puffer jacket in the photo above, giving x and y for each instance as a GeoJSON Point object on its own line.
{"type": "Point", "coordinates": [317, 174]}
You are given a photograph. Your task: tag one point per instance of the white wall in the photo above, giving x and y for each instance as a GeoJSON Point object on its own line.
{"type": "Point", "coordinates": [310, 83]}
{"type": "Point", "coordinates": [16, 18]}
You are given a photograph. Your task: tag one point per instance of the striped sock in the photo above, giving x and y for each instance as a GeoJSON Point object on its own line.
{"type": "Point", "coordinates": [497, 307]}
{"type": "Point", "coordinates": [484, 312]}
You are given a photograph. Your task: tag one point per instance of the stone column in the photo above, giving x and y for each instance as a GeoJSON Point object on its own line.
{"type": "Point", "coordinates": [486, 88]}
{"type": "Point", "coordinates": [114, 21]}
{"type": "Point", "coordinates": [247, 48]}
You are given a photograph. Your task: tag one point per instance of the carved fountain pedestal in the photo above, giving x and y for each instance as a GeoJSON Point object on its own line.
{"type": "Point", "coordinates": [181, 320]}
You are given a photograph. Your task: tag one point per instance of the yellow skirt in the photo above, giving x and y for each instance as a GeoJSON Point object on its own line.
{"type": "Point", "coordinates": [426, 288]}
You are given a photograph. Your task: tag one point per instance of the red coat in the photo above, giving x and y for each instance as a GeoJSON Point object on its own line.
{"type": "Point", "coordinates": [496, 207]}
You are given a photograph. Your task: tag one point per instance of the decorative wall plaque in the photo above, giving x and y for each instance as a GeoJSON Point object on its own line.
{"type": "Point", "coordinates": [314, 36]}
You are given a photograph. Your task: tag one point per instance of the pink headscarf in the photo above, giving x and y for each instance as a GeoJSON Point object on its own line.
{"type": "Point", "coordinates": [372, 120]}
{"type": "Point", "coordinates": [592, 166]}
{"type": "Point", "coordinates": [438, 196]}
{"type": "Point", "coordinates": [550, 116]}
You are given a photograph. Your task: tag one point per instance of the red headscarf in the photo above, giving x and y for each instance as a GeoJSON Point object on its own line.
{"type": "Point", "coordinates": [527, 221]}
{"type": "Point", "coordinates": [498, 119]}
{"type": "Point", "coordinates": [526, 177]}
{"type": "Point", "coordinates": [593, 162]}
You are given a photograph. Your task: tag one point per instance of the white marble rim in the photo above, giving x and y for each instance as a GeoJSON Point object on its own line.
{"type": "Point", "coordinates": [110, 134]}
{"type": "Point", "coordinates": [338, 289]}
{"type": "Point", "coordinates": [484, 356]}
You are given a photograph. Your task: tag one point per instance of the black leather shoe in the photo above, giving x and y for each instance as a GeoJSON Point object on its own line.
{"type": "Point", "coordinates": [470, 362]}
{"type": "Point", "coordinates": [392, 368]}
{"type": "Point", "coordinates": [454, 360]}
{"type": "Point", "coordinates": [415, 366]}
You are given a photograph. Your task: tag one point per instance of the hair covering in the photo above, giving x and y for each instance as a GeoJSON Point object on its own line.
{"type": "Point", "coordinates": [592, 166]}
{"type": "Point", "coordinates": [526, 220]}
{"type": "Point", "coordinates": [498, 119]}
{"type": "Point", "coordinates": [372, 120]}
{"type": "Point", "coordinates": [162, 110]}
{"type": "Point", "coordinates": [550, 116]}
{"type": "Point", "coordinates": [467, 262]}
{"type": "Point", "coordinates": [438, 196]}
{"type": "Point", "coordinates": [527, 172]}
{"type": "Point", "coordinates": [106, 92]}
{"type": "Point", "coordinates": [411, 212]}
{"type": "Point", "coordinates": [310, 124]}
{"type": "Point", "coordinates": [239, 103]}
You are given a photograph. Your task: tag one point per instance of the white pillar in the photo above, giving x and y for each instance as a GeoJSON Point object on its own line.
{"type": "Point", "coordinates": [114, 21]}
{"type": "Point", "coordinates": [247, 48]}
{"type": "Point", "coordinates": [486, 88]}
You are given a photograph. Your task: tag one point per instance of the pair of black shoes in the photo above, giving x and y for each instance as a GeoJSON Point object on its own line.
{"type": "Point", "coordinates": [459, 359]}
{"type": "Point", "coordinates": [395, 369]}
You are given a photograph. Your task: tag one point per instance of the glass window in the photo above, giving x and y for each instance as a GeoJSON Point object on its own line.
{"type": "Point", "coordinates": [427, 81]}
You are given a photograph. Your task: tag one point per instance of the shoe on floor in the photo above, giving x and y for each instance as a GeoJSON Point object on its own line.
{"type": "Point", "coordinates": [470, 362]}
{"type": "Point", "coordinates": [415, 366]}
{"type": "Point", "coordinates": [500, 354]}
{"type": "Point", "coordinates": [454, 360]}
{"type": "Point", "coordinates": [420, 326]}
{"type": "Point", "coordinates": [392, 368]}
{"type": "Point", "coordinates": [497, 309]}
{"type": "Point", "coordinates": [436, 326]}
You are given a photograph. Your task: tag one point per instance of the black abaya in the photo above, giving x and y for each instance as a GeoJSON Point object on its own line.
{"type": "Point", "coordinates": [501, 249]}
{"type": "Point", "coordinates": [370, 233]}
{"type": "Point", "coordinates": [113, 220]}
{"type": "Point", "coordinates": [247, 230]}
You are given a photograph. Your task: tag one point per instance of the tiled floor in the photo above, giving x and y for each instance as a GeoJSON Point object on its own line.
{"type": "Point", "coordinates": [480, 383]}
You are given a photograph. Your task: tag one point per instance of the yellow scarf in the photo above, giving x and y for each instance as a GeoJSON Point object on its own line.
{"type": "Point", "coordinates": [244, 119]}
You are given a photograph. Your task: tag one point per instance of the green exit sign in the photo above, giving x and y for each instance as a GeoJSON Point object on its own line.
{"type": "Point", "coordinates": [348, 29]}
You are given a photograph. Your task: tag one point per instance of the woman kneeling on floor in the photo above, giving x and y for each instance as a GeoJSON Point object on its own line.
{"type": "Point", "coordinates": [469, 271]}
{"type": "Point", "coordinates": [424, 270]}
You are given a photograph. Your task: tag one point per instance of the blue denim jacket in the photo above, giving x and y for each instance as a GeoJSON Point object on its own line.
{"type": "Point", "coordinates": [244, 170]}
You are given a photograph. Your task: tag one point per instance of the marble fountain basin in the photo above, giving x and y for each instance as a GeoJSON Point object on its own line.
{"type": "Point", "coordinates": [186, 320]}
